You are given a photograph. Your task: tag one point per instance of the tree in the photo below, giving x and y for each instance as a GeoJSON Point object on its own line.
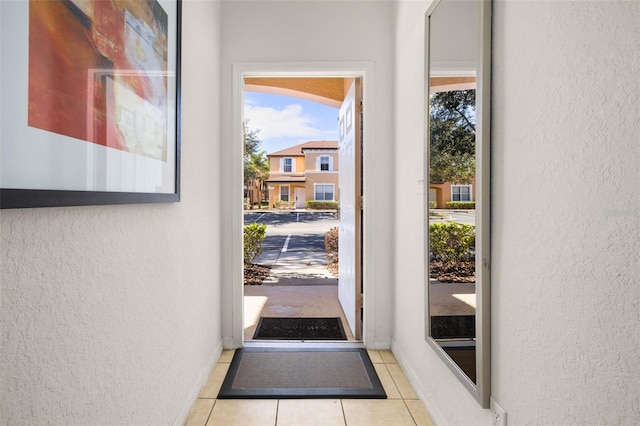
{"type": "Point", "coordinates": [251, 140]}
{"type": "Point", "coordinates": [453, 136]}
{"type": "Point", "coordinates": [256, 163]}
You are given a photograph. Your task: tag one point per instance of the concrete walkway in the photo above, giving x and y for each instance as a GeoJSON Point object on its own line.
{"type": "Point", "coordinates": [297, 269]}
{"type": "Point", "coordinates": [299, 284]}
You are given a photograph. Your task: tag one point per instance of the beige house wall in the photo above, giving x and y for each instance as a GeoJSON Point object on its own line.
{"type": "Point", "coordinates": [443, 192]}
{"type": "Point", "coordinates": [314, 178]}
{"type": "Point", "coordinates": [274, 163]}
{"type": "Point", "coordinates": [307, 167]}
{"type": "Point", "coordinates": [312, 160]}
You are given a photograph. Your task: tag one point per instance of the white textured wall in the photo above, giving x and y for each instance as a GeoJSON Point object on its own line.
{"type": "Point", "coordinates": [111, 315]}
{"type": "Point", "coordinates": [566, 212]}
{"type": "Point", "coordinates": [448, 401]}
{"type": "Point", "coordinates": [322, 31]}
{"type": "Point", "coordinates": [566, 216]}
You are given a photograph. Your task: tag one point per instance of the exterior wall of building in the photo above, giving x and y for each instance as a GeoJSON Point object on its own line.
{"type": "Point", "coordinates": [307, 167]}
{"type": "Point", "coordinates": [253, 194]}
{"type": "Point", "coordinates": [443, 193]}
{"type": "Point", "coordinates": [274, 164]}
{"type": "Point", "coordinates": [311, 160]}
{"type": "Point", "coordinates": [314, 178]}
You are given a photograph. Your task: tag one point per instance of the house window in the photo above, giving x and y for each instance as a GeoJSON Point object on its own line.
{"type": "Point", "coordinates": [461, 193]}
{"type": "Point", "coordinates": [324, 192]}
{"type": "Point", "coordinates": [324, 163]}
{"type": "Point", "coordinates": [284, 193]}
{"type": "Point", "coordinates": [287, 165]}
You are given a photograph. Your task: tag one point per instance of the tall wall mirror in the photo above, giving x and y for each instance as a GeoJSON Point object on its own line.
{"type": "Point", "coordinates": [458, 64]}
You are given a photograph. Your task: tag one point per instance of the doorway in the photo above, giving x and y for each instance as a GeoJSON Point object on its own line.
{"type": "Point", "coordinates": [300, 198]}
{"type": "Point", "coordinates": [296, 72]}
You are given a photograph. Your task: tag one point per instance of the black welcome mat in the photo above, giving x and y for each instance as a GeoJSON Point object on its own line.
{"type": "Point", "coordinates": [301, 373]}
{"type": "Point", "coordinates": [453, 327]}
{"type": "Point", "coordinates": [276, 328]}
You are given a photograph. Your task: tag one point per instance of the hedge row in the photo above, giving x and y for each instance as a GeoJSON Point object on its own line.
{"type": "Point", "coordinates": [284, 205]}
{"type": "Point", "coordinates": [254, 234]}
{"type": "Point", "coordinates": [462, 205]}
{"type": "Point", "coordinates": [452, 242]}
{"type": "Point", "coordinates": [322, 205]}
{"type": "Point", "coordinates": [331, 239]}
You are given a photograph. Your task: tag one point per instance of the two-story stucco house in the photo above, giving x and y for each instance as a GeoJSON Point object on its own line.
{"type": "Point", "coordinates": [304, 172]}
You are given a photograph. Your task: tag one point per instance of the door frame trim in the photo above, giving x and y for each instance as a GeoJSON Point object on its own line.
{"type": "Point", "coordinates": [234, 286]}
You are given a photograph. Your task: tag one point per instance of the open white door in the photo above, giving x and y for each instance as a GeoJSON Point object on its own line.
{"type": "Point", "coordinates": [349, 250]}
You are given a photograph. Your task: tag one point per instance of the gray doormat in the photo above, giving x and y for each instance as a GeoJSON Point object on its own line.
{"type": "Point", "coordinates": [279, 373]}
{"type": "Point", "coordinates": [278, 328]}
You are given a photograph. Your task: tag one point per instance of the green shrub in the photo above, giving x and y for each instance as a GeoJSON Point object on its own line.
{"type": "Point", "coordinates": [284, 205]}
{"type": "Point", "coordinates": [451, 242]}
{"type": "Point", "coordinates": [433, 205]}
{"type": "Point", "coordinates": [462, 205]}
{"type": "Point", "coordinates": [331, 244]}
{"type": "Point", "coordinates": [253, 236]}
{"type": "Point", "coordinates": [322, 205]}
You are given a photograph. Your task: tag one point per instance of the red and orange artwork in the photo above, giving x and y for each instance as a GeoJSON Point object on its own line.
{"type": "Point", "coordinates": [98, 72]}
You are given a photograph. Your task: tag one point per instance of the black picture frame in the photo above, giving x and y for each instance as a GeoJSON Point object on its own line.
{"type": "Point", "coordinates": [29, 197]}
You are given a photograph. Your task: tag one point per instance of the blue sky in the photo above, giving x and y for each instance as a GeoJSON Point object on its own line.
{"type": "Point", "coordinates": [284, 121]}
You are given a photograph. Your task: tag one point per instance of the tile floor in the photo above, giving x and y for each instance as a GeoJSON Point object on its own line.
{"type": "Point", "coordinates": [402, 406]}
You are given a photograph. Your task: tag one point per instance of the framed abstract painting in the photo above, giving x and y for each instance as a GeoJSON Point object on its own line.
{"type": "Point", "coordinates": [90, 102]}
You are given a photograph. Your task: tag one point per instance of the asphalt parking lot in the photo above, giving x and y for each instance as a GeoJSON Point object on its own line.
{"type": "Point", "coordinates": [293, 231]}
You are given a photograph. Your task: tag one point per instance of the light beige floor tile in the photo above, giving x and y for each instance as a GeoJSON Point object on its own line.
{"type": "Point", "coordinates": [419, 412]}
{"type": "Point", "coordinates": [244, 412]}
{"type": "Point", "coordinates": [388, 384]}
{"type": "Point", "coordinates": [388, 357]}
{"type": "Point", "coordinates": [405, 388]}
{"type": "Point", "coordinates": [227, 355]}
{"type": "Point", "coordinates": [375, 356]}
{"type": "Point", "coordinates": [381, 412]}
{"type": "Point", "coordinates": [200, 412]}
{"type": "Point", "coordinates": [310, 412]}
{"type": "Point", "coordinates": [214, 383]}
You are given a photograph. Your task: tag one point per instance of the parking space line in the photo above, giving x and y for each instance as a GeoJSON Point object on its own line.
{"type": "Point", "coordinates": [286, 244]}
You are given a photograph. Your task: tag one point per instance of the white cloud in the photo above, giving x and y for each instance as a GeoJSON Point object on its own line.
{"type": "Point", "coordinates": [287, 122]}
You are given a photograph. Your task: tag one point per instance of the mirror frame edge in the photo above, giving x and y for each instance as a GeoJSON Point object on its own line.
{"type": "Point", "coordinates": [481, 390]}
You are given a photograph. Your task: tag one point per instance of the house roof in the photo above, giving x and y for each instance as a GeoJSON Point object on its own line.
{"type": "Point", "coordinates": [299, 149]}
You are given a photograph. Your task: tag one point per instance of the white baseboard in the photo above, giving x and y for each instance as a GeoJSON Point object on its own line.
{"type": "Point", "coordinates": [417, 384]}
{"type": "Point", "coordinates": [201, 382]}
{"type": "Point", "coordinates": [379, 343]}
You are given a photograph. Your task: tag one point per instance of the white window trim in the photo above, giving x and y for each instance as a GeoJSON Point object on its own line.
{"type": "Point", "coordinates": [288, 192]}
{"type": "Point", "coordinates": [333, 185]}
{"type": "Point", "coordinates": [319, 163]}
{"type": "Point", "coordinates": [470, 186]}
{"type": "Point", "coordinates": [293, 164]}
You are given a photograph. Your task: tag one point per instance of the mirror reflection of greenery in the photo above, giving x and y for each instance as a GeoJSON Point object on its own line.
{"type": "Point", "coordinates": [453, 136]}
{"type": "Point", "coordinates": [452, 242]}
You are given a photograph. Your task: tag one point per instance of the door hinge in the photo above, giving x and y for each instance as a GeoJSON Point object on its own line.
{"type": "Point", "coordinates": [361, 202]}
